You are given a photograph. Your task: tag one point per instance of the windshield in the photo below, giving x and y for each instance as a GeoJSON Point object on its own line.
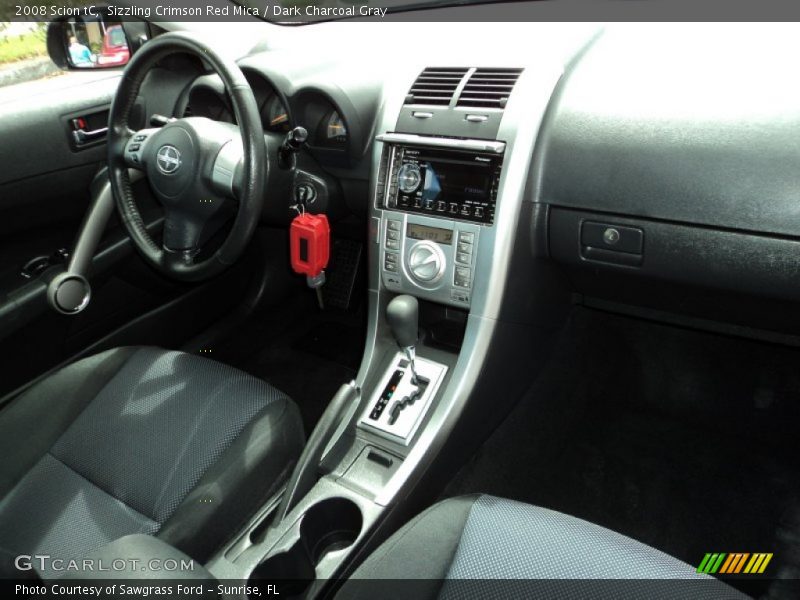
{"type": "Point", "coordinates": [307, 11]}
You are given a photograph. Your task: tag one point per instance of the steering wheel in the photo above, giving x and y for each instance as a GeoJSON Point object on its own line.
{"type": "Point", "coordinates": [200, 170]}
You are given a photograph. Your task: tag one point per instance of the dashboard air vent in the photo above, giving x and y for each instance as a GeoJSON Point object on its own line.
{"type": "Point", "coordinates": [435, 85]}
{"type": "Point", "coordinates": [489, 88]}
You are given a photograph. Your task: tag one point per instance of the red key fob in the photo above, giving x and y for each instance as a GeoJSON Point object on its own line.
{"type": "Point", "coordinates": [310, 244]}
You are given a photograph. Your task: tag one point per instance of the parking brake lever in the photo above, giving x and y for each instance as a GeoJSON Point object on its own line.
{"type": "Point", "coordinates": [306, 471]}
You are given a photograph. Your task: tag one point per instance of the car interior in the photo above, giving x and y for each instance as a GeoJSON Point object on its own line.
{"type": "Point", "coordinates": [515, 308]}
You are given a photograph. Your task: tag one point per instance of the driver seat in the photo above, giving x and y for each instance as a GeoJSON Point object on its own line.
{"type": "Point", "coordinates": [140, 440]}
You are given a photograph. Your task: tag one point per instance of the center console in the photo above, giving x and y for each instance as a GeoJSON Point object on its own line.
{"type": "Point", "coordinates": [446, 208]}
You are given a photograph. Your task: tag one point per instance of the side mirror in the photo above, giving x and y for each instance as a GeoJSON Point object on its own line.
{"type": "Point", "coordinates": [88, 42]}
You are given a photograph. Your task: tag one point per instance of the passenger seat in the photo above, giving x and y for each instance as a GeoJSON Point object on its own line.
{"type": "Point", "coordinates": [516, 550]}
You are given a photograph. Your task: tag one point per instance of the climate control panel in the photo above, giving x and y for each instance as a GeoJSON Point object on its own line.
{"type": "Point", "coordinates": [428, 257]}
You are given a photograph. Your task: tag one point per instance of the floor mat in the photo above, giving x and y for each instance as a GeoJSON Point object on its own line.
{"type": "Point", "coordinates": [339, 343]}
{"type": "Point", "coordinates": [683, 440]}
{"type": "Point", "coordinates": [303, 351]}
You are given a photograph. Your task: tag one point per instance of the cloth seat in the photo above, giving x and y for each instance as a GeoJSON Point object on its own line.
{"type": "Point", "coordinates": [140, 440]}
{"type": "Point", "coordinates": [486, 547]}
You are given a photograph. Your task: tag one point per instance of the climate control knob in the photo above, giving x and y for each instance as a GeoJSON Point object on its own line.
{"type": "Point", "coordinates": [426, 262]}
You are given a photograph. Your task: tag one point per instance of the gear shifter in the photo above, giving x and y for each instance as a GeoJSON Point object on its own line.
{"type": "Point", "coordinates": [409, 385]}
{"type": "Point", "coordinates": [402, 314]}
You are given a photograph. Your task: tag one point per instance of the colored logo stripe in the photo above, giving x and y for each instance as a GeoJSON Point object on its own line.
{"type": "Point", "coordinates": [727, 564]}
{"type": "Point", "coordinates": [734, 563]}
{"type": "Point", "coordinates": [711, 563]}
{"type": "Point", "coordinates": [758, 563]}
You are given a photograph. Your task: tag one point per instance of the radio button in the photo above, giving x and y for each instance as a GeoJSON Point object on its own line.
{"type": "Point", "coordinates": [394, 225]}
{"type": "Point", "coordinates": [467, 237]}
{"type": "Point", "coordinates": [441, 206]}
{"type": "Point", "coordinates": [462, 277]}
{"type": "Point", "coordinates": [393, 244]}
{"type": "Point", "coordinates": [392, 235]}
{"type": "Point", "coordinates": [464, 247]}
{"type": "Point", "coordinates": [479, 212]}
{"type": "Point", "coordinates": [453, 207]}
{"type": "Point", "coordinates": [390, 262]}
{"type": "Point", "coordinates": [463, 258]}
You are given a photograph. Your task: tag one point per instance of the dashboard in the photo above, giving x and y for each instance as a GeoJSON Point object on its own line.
{"type": "Point", "coordinates": [644, 175]}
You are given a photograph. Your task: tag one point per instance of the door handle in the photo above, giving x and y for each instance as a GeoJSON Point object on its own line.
{"type": "Point", "coordinates": [82, 137]}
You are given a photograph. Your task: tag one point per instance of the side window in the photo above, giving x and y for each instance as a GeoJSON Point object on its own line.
{"type": "Point", "coordinates": [23, 53]}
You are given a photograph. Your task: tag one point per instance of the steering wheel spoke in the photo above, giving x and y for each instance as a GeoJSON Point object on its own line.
{"type": "Point", "coordinates": [135, 149]}
{"type": "Point", "coordinates": [226, 174]}
{"type": "Point", "coordinates": [191, 222]}
{"type": "Point", "coordinates": [182, 233]}
{"type": "Point", "coordinates": [177, 260]}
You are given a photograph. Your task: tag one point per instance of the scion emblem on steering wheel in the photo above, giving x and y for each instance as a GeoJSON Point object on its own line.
{"type": "Point", "coordinates": [168, 159]}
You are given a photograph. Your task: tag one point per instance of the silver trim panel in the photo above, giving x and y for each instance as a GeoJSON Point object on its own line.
{"type": "Point", "coordinates": [452, 143]}
{"type": "Point", "coordinates": [224, 171]}
{"type": "Point", "coordinates": [411, 417]}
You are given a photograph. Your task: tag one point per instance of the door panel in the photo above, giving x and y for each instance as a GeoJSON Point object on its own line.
{"type": "Point", "coordinates": [44, 181]}
{"type": "Point", "coordinates": [44, 193]}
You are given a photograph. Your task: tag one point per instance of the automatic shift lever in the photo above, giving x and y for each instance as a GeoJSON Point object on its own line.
{"type": "Point", "coordinates": [402, 314]}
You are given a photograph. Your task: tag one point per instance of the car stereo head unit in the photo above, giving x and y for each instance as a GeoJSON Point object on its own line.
{"type": "Point", "coordinates": [441, 182]}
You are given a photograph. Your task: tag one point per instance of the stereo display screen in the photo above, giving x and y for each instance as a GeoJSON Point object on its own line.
{"type": "Point", "coordinates": [455, 181]}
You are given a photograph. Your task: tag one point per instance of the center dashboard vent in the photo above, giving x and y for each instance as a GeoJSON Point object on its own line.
{"type": "Point", "coordinates": [436, 85]}
{"type": "Point", "coordinates": [489, 88]}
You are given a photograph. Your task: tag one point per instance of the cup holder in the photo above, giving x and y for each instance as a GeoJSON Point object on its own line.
{"type": "Point", "coordinates": [330, 525]}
